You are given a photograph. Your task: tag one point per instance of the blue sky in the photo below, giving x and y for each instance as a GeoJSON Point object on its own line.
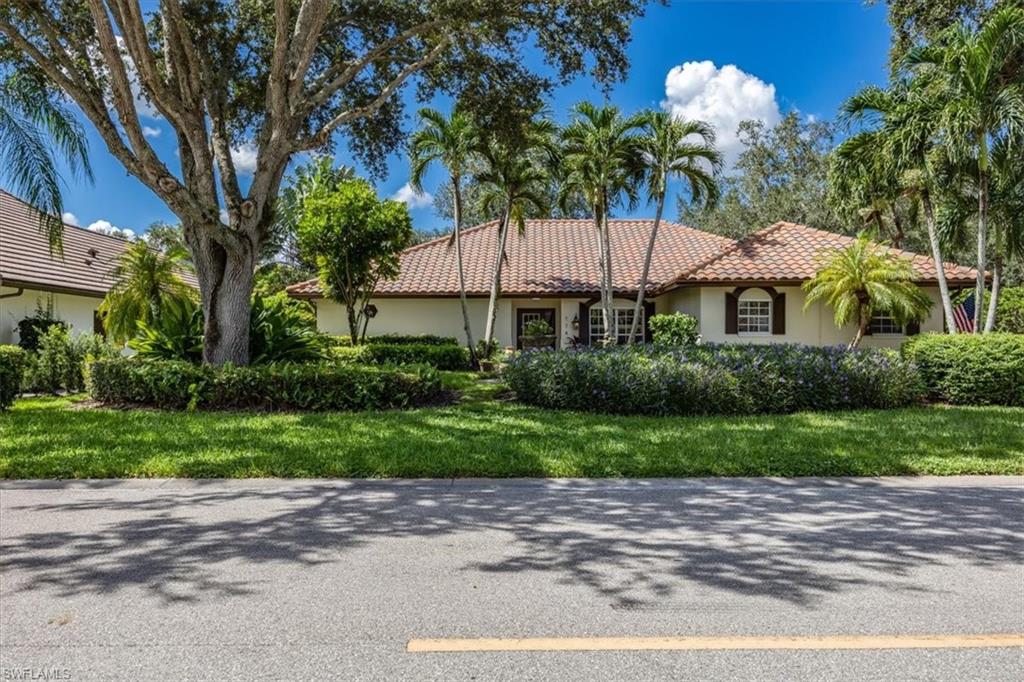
{"type": "Point", "coordinates": [746, 59]}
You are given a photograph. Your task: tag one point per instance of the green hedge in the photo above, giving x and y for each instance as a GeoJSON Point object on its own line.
{"type": "Point", "coordinates": [446, 357]}
{"type": "Point", "coordinates": [713, 379]}
{"type": "Point", "coordinates": [286, 386]}
{"type": "Point", "coordinates": [417, 339]}
{"type": "Point", "coordinates": [677, 329]}
{"type": "Point", "coordinates": [12, 365]}
{"type": "Point", "coordinates": [970, 369]}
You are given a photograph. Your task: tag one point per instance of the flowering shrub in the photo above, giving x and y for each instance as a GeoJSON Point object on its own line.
{"type": "Point", "coordinates": [713, 379]}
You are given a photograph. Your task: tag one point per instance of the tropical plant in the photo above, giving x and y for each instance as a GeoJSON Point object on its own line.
{"type": "Point", "coordinates": [32, 328]}
{"type": "Point", "coordinates": [861, 279]}
{"type": "Point", "coordinates": [279, 79]}
{"type": "Point", "coordinates": [36, 128]}
{"type": "Point", "coordinates": [145, 282]}
{"type": "Point", "coordinates": [601, 161]}
{"type": "Point", "coordinates": [900, 144]}
{"type": "Point", "coordinates": [511, 184]}
{"type": "Point", "coordinates": [279, 331]}
{"type": "Point", "coordinates": [176, 335]}
{"type": "Point", "coordinates": [675, 148]}
{"type": "Point", "coordinates": [976, 75]}
{"type": "Point", "coordinates": [355, 239]}
{"type": "Point", "coordinates": [452, 141]}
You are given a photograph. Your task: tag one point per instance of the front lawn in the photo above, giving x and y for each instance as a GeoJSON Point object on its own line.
{"type": "Point", "coordinates": [485, 436]}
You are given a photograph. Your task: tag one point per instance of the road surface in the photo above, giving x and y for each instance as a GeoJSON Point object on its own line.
{"type": "Point", "coordinates": [917, 578]}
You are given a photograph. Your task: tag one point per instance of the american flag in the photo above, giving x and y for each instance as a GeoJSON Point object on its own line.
{"type": "Point", "coordinates": [963, 315]}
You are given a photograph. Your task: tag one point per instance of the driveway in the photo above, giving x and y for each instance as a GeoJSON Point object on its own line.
{"type": "Point", "coordinates": [341, 579]}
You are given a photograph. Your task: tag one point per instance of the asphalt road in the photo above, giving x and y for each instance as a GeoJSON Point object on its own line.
{"type": "Point", "coordinates": [331, 580]}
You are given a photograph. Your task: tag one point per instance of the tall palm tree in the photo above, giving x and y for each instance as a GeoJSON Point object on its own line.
{"type": "Point", "coordinates": [976, 76]}
{"type": "Point", "coordinates": [675, 148]}
{"type": "Point", "coordinates": [36, 128]}
{"type": "Point", "coordinates": [602, 162]}
{"type": "Point", "coordinates": [861, 279]}
{"type": "Point", "coordinates": [512, 184]}
{"type": "Point", "coordinates": [902, 139]}
{"type": "Point", "coordinates": [453, 141]}
{"type": "Point", "coordinates": [146, 281]}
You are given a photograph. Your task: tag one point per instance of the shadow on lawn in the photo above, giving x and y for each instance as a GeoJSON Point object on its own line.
{"type": "Point", "coordinates": [631, 543]}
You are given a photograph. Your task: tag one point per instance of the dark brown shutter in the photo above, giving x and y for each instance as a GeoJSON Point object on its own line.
{"type": "Point", "coordinates": [648, 313]}
{"type": "Point", "coordinates": [584, 319]}
{"type": "Point", "coordinates": [731, 312]}
{"type": "Point", "coordinates": [914, 327]}
{"type": "Point", "coordinates": [779, 314]}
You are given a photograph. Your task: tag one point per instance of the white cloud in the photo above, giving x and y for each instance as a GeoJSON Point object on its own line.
{"type": "Point", "coordinates": [244, 157]}
{"type": "Point", "coordinates": [410, 197]}
{"type": "Point", "coordinates": [69, 218]}
{"type": "Point", "coordinates": [149, 131]}
{"type": "Point", "coordinates": [721, 96]}
{"type": "Point", "coordinates": [142, 105]}
{"type": "Point", "coordinates": [105, 227]}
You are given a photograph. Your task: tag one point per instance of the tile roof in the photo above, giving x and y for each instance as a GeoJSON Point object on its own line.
{"type": "Point", "coordinates": [790, 252]}
{"type": "Point", "coordinates": [550, 257]}
{"type": "Point", "coordinates": [25, 258]}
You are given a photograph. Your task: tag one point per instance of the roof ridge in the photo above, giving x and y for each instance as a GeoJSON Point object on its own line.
{"type": "Point", "coordinates": [732, 248]}
{"type": "Point", "coordinates": [446, 237]}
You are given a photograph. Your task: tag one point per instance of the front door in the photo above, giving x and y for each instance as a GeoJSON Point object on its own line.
{"type": "Point", "coordinates": [525, 316]}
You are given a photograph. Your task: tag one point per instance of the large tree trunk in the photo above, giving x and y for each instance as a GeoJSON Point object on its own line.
{"type": "Point", "coordinates": [933, 239]}
{"type": "Point", "coordinates": [979, 287]}
{"type": "Point", "coordinates": [225, 286]}
{"type": "Point", "coordinates": [492, 301]}
{"type": "Point", "coordinates": [993, 302]}
{"type": "Point", "coordinates": [638, 308]}
{"type": "Point", "coordinates": [457, 236]}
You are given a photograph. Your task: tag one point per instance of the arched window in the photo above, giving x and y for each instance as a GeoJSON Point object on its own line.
{"type": "Point", "coordinates": [754, 313]}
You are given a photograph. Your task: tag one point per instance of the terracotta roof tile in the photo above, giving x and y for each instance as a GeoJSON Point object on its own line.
{"type": "Point", "coordinates": [25, 258]}
{"type": "Point", "coordinates": [550, 257]}
{"type": "Point", "coordinates": [790, 252]}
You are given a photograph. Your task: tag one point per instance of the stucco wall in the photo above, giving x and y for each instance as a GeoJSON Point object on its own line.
{"type": "Point", "coordinates": [76, 311]}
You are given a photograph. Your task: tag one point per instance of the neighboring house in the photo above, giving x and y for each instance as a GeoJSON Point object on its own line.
{"type": "Point", "coordinates": [746, 290]}
{"type": "Point", "coordinates": [31, 277]}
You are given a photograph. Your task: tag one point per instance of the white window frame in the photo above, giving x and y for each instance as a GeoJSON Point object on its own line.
{"type": "Point", "coordinates": [900, 330]}
{"type": "Point", "coordinates": [595, 322]}
{"type": "Point", "coordinates": [762, 299]}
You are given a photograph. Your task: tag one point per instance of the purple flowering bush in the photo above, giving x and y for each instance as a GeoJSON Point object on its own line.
{"type": "Point", "coordinates": [713, 379]}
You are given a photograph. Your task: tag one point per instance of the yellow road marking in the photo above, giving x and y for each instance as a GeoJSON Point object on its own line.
{"type": "Point", "coordinates": [718, 643]}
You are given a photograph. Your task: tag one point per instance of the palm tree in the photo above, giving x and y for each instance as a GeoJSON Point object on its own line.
{"type": "Point", "coordinates": [903, 140]}
{"type": "Point", "coordinates": [35, 128]}
{"type": "Point", "coordinates": [601, 161]}
{"type": "Point", "coordinates": [861, 279]}
{"type": "Point", "coordinates": [512, 184]}
{"type": "Point", "coordinates": [975, 74]}
{"type": "Point", "coordinates": [146, 281]}
{"type": "Point", "coordinates": [675, 147]}
{"type": "Point", "coordinates": [453, 141]}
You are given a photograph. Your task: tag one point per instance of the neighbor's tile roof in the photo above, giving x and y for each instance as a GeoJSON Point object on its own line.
{"type": "Point", "coordinates": [790, 252]}
{"type": "Point", "coordinates": [549, 257]}
{"type": "Point", "coordinates": [26, 261]}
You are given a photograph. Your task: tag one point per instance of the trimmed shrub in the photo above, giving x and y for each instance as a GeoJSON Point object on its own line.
{"type": "Point", "coordinates": [284, 386]}
{"type": "Point", "coordinates": [60, 363]}
{"type": "Point", "coordinates": [970, 369]}
{"type": "Point", "coordinates": [677, 329]}
{"type": "Point", "coordinates": [12, 365]}
{"type": "Point", "coordinates": [417, 339]}
{"type": "Point", "coordinates": [713, 379]}
{"type": "Point", "coordinates": [446, 357]}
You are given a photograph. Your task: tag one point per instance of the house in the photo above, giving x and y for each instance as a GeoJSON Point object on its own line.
{"type": "Point", "coordinates": [745, 290]}
{"type": "Point", "coordinates": [31, 277]}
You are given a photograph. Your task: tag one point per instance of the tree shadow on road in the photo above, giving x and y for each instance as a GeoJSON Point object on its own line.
{"type": "Point", "coordinates": [632, 543]}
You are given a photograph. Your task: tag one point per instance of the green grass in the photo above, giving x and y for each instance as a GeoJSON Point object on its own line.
{"type": "Point", "coordinates": [487, 436]}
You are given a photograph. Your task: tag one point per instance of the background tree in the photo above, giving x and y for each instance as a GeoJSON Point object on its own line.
{"type": "Point", "coordinates": [453, 142]}
{"type": "Point", "coordinates": [917, 21]}
{"type": "Point", "coordinates": [781, 174]}
{"type": "Point", "coordinates": [861, 279]}
{"type": "Point", "coordinates": [976, 75]}
{"type": "Point", "coordinates": [145, 283]}
{"type": "Point", "coordinates": [284, 77]}
{"type": "Point", "coordinates": [36, 127]}
{"type": "Point", "coordinates": [601, 163]}
{"type": "Point", "coordinates": [674, 148]}
{"type": "Point", "coordinates": [355, 239]}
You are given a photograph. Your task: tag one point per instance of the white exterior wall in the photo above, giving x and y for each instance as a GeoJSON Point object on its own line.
{"type": "Point", "coordinates": [76, 311]}
{"type": "Point", "coordinates": [814, 327]}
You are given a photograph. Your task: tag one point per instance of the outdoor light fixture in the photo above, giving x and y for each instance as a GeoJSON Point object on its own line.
{"type": "Point", "coordinates": [370, 311]}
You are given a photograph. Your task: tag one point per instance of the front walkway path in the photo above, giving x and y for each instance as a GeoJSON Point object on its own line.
{"type": "Point", "coordinates": [332, 579]}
